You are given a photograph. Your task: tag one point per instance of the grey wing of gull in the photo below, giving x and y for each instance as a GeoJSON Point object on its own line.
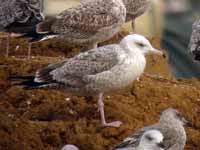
{"type": "Point", "coordinates": [88, 18]}
{"type": "Point", "coordinates": [20, 12]}
{"type": "Point", "coordinates": [72, 71]}
{"type": "Point", "coordinates": [194, 46]}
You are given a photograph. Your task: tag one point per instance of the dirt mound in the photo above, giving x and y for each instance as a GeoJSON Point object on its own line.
{"type": "Point", "coordinates": [49, 119]}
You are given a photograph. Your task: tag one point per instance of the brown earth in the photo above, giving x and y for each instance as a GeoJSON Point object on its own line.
{"type": "Point", "coordinates": [49, 119]}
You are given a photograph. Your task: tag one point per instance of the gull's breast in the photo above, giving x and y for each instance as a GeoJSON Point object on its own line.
{"type": "Point", "coordinates": [121, 75]}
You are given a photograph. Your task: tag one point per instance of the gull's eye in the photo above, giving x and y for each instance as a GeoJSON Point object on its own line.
{"type": "Point", "coordinates": [179, 115]}
{"type": "Point", "coordinates": [140, 44]}
{"type": "Point", "coordinates": [149, 138]}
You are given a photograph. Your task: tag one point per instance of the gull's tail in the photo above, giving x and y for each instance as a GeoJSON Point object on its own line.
{"type": "Point", "coordinates": [42, 31]}
{"type": "Point", "coordinates": [28, 82]}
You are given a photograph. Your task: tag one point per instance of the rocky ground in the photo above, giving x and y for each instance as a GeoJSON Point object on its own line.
{"type": "Point", "coordinates": [49, 119]}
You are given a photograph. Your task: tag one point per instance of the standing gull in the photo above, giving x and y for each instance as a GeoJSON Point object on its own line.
{"type": "Point", "coordinates": [134, 9]}
{"type": "Point", "coordinates": [86, 24]}
{"type": "Point", "coordinates": [96, 71]}
{"type": "Point", "coordinates": [150, 140]}
{"type": "Point", "coordinates": [194, 46]}
{"type": "Point", "coordinates": [171, 125]}
{"type": "Point", "coordinates": [19, 16]}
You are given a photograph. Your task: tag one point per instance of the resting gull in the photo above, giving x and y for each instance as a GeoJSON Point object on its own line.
{"type": "Point", "coordinates": [194, 46]}
{"type": "Point", "coordinates": [84, 25]}
{"type": "Point", "coordinates": [96, 71]}
{"type": "Point", "coordinates": [19, 16]}
{"type": "Point", "coordinates": [70, 147]}
{"type": "Point", "coordinates": [150, 140]}
{"type": "Point", "coordinates": [171, 125]}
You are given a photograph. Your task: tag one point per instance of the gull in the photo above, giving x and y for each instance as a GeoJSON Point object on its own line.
{"type": "Point", "coordinates": [100, 70]}
{"type": "Point", "coordinates": [194, 46]}
{"type": "Point", "coordinates": [18, 17]}
{"type": "Point", "coordinates": [171, 125]}
{"type": "Point", "coordinates": [84, 25]}
{"type": "Point", "coordinates": [134, 9]}
{"type": "Point", "coordinates": [150, 140]}
{"type": "Point", "coordinates": [70, 147]}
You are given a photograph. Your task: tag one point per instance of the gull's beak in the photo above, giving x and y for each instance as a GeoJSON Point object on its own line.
{"type": "Point", "coordinates": [187, 123]}
{"type": "Point", "coordinates": [158, 52]}
{"type": "Point", "coordinates": [161, 145]}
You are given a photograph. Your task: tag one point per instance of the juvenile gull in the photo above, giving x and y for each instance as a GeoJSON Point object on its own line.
{"type": "Point", "coordinates": [194, 46]}
{"type": "Point", "coordinates": [69, 147]}
{"type": "Point", "coordinates": [171, 125]}
{"type": "Point", "coordinates": [150, 140]}
{"type": "Point", "coordinates": [19, 16]}
{"type": "Point", "coordinates": [134, 9]}
{"type": "Point", "coordinates": [97, 71]}
{"type": "Point", "coordinates": [86, 24]}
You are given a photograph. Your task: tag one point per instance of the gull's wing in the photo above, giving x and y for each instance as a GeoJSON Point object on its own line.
{"type": "Point", "coordinates": [89, 17]}
{"type": "Point", "coordinates": [72, 71]}
{"type": "Point", "coordinates": [20, 12]}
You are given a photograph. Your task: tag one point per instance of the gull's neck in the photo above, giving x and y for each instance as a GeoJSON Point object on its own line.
{"type": "Point", "coordinates": [141, 147]}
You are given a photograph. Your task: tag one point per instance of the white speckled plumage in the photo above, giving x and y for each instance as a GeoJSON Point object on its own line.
{"type": "Point", "coordinates": [99, 70]}
{"type": "Point", "coordinates": [194, 46]}
{"type": "Point", "coordinates": [171, 125]}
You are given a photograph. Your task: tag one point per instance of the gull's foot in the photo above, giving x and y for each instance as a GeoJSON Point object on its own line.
{"type": "Point", "coordinates": [115, 124]}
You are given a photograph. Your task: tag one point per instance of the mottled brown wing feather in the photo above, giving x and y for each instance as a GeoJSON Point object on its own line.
{"type": "Point", "coordinates": [90, 16]}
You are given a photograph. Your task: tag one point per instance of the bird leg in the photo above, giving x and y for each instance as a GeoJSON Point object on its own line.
{"type": "Point", "coordinates": [7, 45]}
{"type": "Point", "coordinates": [29, 51]}
{"type": "Point", "coordinates": [103, 120]}
{"type": "Point", "coordinates": [133, 25]}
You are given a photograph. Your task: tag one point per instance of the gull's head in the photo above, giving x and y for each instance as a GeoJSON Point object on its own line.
{"type": "Point", "coordinates": [138, 43]}
{"type": "Point", "coordinates": [174, 117]}
{"type": "Point", "coordinates": [69, 147]}
{"type": "Point", "coordinates": [152, 140]}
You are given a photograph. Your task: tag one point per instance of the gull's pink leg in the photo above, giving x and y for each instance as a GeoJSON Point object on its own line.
{"type": "Point", "coordinates": [8, 45]}
{"type": "Point", "coordinates": [133, 25]}
{"type": "Point", "coordinates": [103, 120]}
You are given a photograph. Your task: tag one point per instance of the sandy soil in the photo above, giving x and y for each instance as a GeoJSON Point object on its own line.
{"type": "Point", "coordinates": [49, 119]}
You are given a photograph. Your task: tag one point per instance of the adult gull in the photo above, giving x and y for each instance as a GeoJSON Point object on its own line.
{"type": "Point", "coordinates": [171, 125]}
{"type": "Point", "coordinates": [96, 71]}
